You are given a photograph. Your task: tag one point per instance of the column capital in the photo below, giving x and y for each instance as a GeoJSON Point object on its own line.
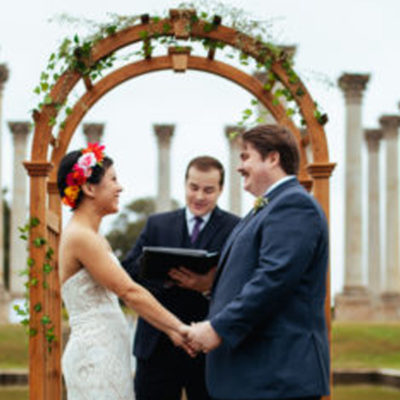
{"type": "Point", "coordinates": [38, 168]}
{"type": "Point", "coordinates": [164, 132]}
{"type": "Point", "coordinates": [19, 127]}
{"type": "Point", "coordinates": [93, 131]}
{"type": "Point", "coordinates": [4, 74]}
{"type": "Point", "coordinates": [373, 137]}
{"type": "Point", "coordinates": [321, 170]}
{"type": "Point", "coordinates": [389, 122]}
{"type": "Point", "coordinates": [231, 130]}
{"type": "Point", "coordinates": [353, 85]}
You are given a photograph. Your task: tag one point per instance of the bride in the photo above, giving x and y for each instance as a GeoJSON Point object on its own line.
{"type": "Point", "coordinates": [96, 362]}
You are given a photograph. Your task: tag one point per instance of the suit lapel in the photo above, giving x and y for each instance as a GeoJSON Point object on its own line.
{"type": "Point", "coordinates": [239, 227]}
{"type": "Point", "coordinates": [208, 232]}
{"type": "Point", "coordinates": [228, 245]}
{"type": "Point", "coordinates": [183, 232]}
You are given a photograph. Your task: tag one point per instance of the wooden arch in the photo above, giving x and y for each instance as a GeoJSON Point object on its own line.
{"type": "Point", "coordinates": [47, 151]}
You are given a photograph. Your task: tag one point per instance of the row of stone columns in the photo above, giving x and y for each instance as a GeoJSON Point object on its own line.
{"type": "Point", "coordinates": [380, 299]}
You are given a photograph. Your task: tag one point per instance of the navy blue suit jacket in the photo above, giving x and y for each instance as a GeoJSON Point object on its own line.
{"type": "Point", "coordinates": [268, 303]}
{"type": "Point", "coordinates": [170, 229]}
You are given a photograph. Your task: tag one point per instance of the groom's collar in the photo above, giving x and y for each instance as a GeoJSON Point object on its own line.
{"type": "Point", "coordinates": [279, 183]}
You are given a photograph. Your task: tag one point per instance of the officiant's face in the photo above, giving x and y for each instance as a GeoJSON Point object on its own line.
{"type": "Point", "coordinates": [202, 190]}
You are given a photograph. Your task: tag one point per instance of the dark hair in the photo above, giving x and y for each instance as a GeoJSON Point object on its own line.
{"type": "Point", "coordinates": [267, 138]}
{"type": "Point", "coordinates": [204, 164]}
{"type": "Point", "coordinates": [66, 165]}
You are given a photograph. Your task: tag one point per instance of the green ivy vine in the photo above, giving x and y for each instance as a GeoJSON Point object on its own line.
{"type": "Point", "coordinates": [74, 54]}
{"type": "Point", "coordinates": [47, 268]}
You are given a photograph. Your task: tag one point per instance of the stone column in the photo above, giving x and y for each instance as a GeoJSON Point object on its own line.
{"type": "Point", "coordinates": [19, 209]}
{"type": "Point", "coordinates": [4, 298]}
{"type": "Point", "coordinates": [391, 296]}
{"type": "Point", "coordinates": [164, 134]}
{"type": "Point", "coordinates": [235, 192]}
{"type": "Point", "coordinates": [354, 302]}
{"type": "Point", "coordinates": [373, 137]}
{"type": "Point", "coordinates": [93, 132]}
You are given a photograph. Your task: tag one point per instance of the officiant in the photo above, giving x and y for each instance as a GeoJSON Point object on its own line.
{"type": "Point", "coordinates": [163, 370]}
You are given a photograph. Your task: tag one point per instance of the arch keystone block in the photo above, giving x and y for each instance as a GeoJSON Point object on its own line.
{"type": "Point", "coordinates": [181, 20]}
{"type": "Point", "coordinates": [179, 58]}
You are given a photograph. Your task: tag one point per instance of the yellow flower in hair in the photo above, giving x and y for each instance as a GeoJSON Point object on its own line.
{"type": "Point", "coordinates": [72, 192]}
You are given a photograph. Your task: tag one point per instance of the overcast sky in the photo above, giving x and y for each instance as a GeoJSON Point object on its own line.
{"type": "Point", "coordinates": [359, 36]}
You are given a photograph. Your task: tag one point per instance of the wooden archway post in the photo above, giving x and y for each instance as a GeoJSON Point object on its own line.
{"type": "Point", "coordinates": [38, 352]}
{"type": "Point", "coordinates": [315, 168]}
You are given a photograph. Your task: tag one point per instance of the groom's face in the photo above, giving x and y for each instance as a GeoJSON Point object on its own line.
{"type": "Point", "coordinates": [202, 190]}
{"type": "Point", "coordinates": [257, 173]}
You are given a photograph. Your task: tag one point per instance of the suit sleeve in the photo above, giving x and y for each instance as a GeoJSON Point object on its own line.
{"type": "Point", "coordinates": [130, 263]}
{"type": "Point", "coordinates": [289, 237]}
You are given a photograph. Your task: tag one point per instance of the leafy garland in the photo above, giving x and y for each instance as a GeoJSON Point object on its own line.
{"type": "Point", "coordinates": [75, 55]}
{"type": "Point", "coordinates": [47, 268]}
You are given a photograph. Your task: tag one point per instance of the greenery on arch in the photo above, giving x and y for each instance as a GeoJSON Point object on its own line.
{"type": "Point", "coordinates": [75, 54]}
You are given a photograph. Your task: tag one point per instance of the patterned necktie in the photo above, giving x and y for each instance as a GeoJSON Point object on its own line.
{"type": "Point", "coordinates": [196, 229]}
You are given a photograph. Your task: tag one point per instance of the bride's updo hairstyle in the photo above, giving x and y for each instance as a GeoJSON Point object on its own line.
{"type": "Point", "coordinates": [78, 167]}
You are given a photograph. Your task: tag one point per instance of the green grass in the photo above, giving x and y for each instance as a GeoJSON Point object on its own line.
{"type": "Point", "coordinates": [356, 392]}
{"type": "Point", "coordinates": [13, 347]}
{"type": "Point", "coordinates": [14, 393]}
{"type": "Point", "coordinates": [365, 392]}
{"type": "Point", "coordinates": [366, 345]}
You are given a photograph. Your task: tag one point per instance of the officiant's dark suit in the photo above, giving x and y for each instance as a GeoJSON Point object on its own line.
{"type": "Point", "coordinates": [268, 299]}
{"type": "Point", "coordinates": [162, 369]}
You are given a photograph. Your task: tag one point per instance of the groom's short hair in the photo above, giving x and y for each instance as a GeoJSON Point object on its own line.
{"type": "Point", "coordinates": [205, 164]}
{"type": "Point", "coordinates": [267, 138]}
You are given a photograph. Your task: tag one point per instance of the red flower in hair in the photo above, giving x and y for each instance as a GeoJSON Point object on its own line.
{"type": "Point", "coordinates": [96, 149]}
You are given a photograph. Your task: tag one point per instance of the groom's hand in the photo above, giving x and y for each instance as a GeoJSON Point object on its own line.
{"type": "Point", "coordinates": [203, 337]}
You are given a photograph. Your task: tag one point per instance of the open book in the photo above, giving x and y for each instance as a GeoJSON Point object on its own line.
{"type": "Point", "coordinates": [157, 261]}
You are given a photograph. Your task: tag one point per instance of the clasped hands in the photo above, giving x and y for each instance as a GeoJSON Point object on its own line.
{"type": "Point", "coordinates": [196, 338]}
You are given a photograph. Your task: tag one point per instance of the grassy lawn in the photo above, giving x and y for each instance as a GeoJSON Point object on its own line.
{"type": "Point", "coordinates": [367, 345]}
{"type": "Point", "coordinates": [14, 393]}
{"type": "Point", "coordinates": [365, 392]}
{"type": "Point", "coordinates": [357, 392]}
{"type": "Point", "coordinates": [13, 347]}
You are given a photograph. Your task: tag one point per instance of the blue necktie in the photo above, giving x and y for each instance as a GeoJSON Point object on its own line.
{"type": "Point", "coordinates": [196, 229]}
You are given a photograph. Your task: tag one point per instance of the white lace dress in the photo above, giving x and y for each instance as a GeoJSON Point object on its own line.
{"type": "Point", "coordinates": [97, 360]}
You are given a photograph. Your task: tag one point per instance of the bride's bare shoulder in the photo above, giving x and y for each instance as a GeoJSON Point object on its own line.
{"type": "Point", "coordinates": [77, 235]}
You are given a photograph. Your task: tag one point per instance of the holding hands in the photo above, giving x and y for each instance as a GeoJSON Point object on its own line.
{"type": "Point", "coordinates": [200, 337]}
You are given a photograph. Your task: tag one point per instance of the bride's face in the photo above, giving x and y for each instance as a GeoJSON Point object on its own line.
{"type": "Point", "coordinates": [107, 192]}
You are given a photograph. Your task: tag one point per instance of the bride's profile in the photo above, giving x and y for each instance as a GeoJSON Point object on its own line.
{"type": "Point", "coordinates": [96, 362]}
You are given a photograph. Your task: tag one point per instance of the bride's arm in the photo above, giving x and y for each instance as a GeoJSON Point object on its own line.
{"type": "Point", "coordinates": [93, 254]}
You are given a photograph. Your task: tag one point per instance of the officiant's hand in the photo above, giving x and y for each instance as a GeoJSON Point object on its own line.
{"type": "Point", "coordinates": [187, 279]}
{"type": "Point", "coordinates": [203, 337]}
{"type": "Point", "coordinates": [180, 339]}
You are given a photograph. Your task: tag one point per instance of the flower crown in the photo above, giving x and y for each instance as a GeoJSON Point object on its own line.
{"type": "Point", "coordinates": [91, 156]}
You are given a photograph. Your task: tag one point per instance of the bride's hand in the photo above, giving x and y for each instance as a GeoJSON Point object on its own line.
{"type": "Point", "coordinates": [180, 339]}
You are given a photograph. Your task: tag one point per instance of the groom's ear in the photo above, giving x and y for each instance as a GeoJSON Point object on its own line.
{"type": "Point", "coordinates": [274, 157]}
{"type": "Point", "coordinates": [88, 190]}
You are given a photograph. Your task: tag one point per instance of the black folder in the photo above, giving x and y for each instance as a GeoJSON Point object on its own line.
{"type": "Point", "coordinates": [157, 261]}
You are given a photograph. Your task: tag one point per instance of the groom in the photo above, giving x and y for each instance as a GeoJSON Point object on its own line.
{"type": "Point", "coordinates": [266, 332]}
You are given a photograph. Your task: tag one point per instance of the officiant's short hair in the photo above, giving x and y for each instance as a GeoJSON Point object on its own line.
{"type": "Point", "coordinates": [267, 138]}
{"type": "Point", "coordinates": [205, 164]}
